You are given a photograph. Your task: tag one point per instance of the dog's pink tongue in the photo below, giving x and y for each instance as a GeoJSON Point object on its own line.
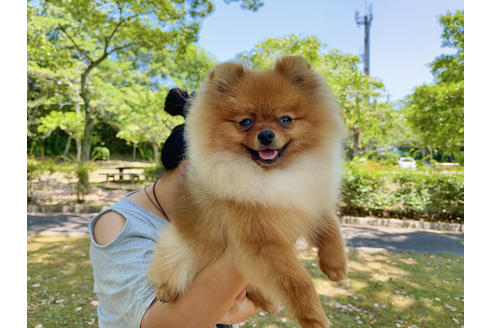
{"type": "Point", "coordinates": [267, 154]}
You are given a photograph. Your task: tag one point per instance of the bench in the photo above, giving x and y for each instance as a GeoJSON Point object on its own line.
{"type": "Point", "coordinates": [110, 175]}
{"type": "Point", "coordinates": [134, 177]}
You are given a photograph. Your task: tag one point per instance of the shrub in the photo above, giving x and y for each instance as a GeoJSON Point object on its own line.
{"type": "Point", "coordinates": [36, 169]}
{"type": "Point", "coordinates": [402, 193]}
{"type": "Point", "coordinates": [34, 172]}
{"type": "Point", "coordinates": [100, 153]}
{"type": "Point", "coordinates": [360, 187]}
{"type": "Point", "coordinates": [83, 185]}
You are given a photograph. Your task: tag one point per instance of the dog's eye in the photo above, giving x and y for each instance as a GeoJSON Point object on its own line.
{"type": "Point", "coordinates": [285, 120]}
{"type": "Point", "coordinates": [246, 123]}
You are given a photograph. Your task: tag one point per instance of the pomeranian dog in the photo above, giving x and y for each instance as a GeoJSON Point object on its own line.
{"type": "Point", "coordinates": [265, 157]}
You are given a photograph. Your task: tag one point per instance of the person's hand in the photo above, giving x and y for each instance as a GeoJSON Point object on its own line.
{"type": "Point", "coordinates": [240, 311]}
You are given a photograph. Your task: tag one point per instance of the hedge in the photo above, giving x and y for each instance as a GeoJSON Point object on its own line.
{"type": "Point", "coordinates": [402, 193]}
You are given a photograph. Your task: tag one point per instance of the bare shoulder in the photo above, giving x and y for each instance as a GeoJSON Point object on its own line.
{"type": "Point", "coordinates": [108, 227]}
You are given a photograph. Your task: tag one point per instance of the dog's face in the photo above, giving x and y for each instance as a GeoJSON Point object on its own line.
{"type": "Point", "coordinates": [268, 117]}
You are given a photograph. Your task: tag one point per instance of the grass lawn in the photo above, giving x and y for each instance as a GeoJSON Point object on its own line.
{"type": "Point", "coordinates": [383, 289]}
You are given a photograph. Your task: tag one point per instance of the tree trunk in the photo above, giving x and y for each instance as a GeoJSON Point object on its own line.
{"type": "Point", "coordinates": [31, 152]}
{"type": "Point", "coordinates": [86, 139]}
{"type": "Point", "coordinates": [134, 151]}
{"type": "Point", "coordinates": [155, 147]}
{"type": "Point", "coordinates": [356, 142]}
{"type": "Point", "coordinates": [89, 115]}
{"type": "Point", "coordinates": [67, 146]}
{"type": "Point", "coordinates": [79, 149]}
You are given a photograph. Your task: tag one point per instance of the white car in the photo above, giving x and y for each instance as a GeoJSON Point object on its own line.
{"type": "Point", "coordinates": [407, 163]}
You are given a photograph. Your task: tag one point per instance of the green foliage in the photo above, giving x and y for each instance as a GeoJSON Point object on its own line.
{"type": "Point", "coordinates": [141, 118]}
{"type": "Point", "coordinates": [70, 122]}
{"type": "Point", "coordinates": [434, 193]}
{"type": "Point", "coordinates": [404, 194]}
{"type": "Point", "coordinates": [360, 186]}
{"type": "Point", "coordinates": [436, 111]}
{"type": "Point", "coordinates": [100, 153]}
{"type": "Point", "coordinates": [37, 169]}
{"type": "Point", "coordinates": [126, 30]}
{"type": "Point", "coordinates": [451, 68]}
{"type": "Point", "coordinates": [189, 69]}
{"type": "Point", "coordinates": [83, 52]}
{"type": "Point", "coordinates": [83, 186]}
{"type": "Point", "coordinates": [152, 173]}
{"type": "Point", "coordinates": [253, 5]}
{"type": "Point", "coordinates": [34, 172]}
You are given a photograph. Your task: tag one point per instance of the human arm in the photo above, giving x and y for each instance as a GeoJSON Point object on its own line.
{"type": "Point", "coordinates": [207, 300]}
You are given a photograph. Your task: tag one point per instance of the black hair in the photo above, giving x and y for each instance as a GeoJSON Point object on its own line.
{"type": "Point", "coordinates": [173, 151]}
{"type": "Point", "coordinates": [176, 101]}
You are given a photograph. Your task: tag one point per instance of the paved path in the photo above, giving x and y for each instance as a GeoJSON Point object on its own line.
{"type": "Point", "coordinates": [399, 239]}
{"type": "Point", "coordinates": [59, 224]}
{"type": "Point", "coordinates": [360, 237]}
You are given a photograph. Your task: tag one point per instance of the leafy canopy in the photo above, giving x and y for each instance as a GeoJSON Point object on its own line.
{"type": "Point", "coordinates": [436, 111]}
{"type": "Point", "coordinates": [70, 122]}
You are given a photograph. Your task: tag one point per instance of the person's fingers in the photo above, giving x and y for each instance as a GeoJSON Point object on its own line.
{"type": "Point", "coordinates": [244, 310]}
{"type": "Point", "coordinates": [241, 295]}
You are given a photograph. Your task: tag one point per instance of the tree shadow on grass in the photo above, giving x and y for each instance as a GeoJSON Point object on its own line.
{"type": "Point", "coordinates": [386, 289]}
{"type": "Point", "coordinates": [60, 283]}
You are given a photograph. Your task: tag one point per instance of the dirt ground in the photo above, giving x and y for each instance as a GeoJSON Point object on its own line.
{"type": "Point", "coordinates": [60, 188]}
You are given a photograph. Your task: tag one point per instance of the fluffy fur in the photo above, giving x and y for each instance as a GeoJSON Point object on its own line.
{"type": "Point", "coordinates": [232, 199]}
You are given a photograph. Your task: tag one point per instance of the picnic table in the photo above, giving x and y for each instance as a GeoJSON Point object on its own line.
{"type": "Point", "coordinates": [121, 169]}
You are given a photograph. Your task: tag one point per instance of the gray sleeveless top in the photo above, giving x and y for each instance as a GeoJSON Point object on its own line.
{"type": "Point", "coordinates": [120, 267]}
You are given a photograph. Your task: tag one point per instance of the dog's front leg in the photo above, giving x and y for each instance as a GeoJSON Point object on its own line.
{"type": "Point", "coordinates": [331, 248]}
{"type": "Point", "coordinates": [276, 270]}
{"type": "Point", "coordinates": [173, 266]}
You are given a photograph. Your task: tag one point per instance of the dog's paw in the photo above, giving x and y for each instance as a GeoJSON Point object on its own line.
{"type": "Point", "coordinates": [335, 271]}
{"type": "Point", "coordinates": [314, 323]}
{"type": "Point", "coordinates": [260, 301]}
{"type": "Point", "coordinates": [164, 294]}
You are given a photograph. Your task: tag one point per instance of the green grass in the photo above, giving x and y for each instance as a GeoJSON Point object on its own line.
{"type": "Point", "coordinates": [383, 289]}
{"type": "Point", "coordinates": [60, 283]}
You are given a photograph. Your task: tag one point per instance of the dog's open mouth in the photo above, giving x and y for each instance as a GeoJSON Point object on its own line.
{"type": "Point", "coordinates": [267, 156]}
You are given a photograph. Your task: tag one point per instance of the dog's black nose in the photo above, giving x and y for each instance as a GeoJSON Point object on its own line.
{"type": "Point", "coordinates": [266, 137]}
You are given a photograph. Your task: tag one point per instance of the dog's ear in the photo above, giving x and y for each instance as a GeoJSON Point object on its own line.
{"type": "Point", "coordinates": [294, 68]}
{"type": "Point", "coordinates": [224, 77]}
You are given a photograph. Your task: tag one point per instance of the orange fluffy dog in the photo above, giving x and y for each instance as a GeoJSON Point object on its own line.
{"type": "Point", "coordinates": [264, 151]}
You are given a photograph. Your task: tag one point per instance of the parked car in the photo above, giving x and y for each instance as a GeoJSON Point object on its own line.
{"type": "Point", "coordinates": [407, 163]}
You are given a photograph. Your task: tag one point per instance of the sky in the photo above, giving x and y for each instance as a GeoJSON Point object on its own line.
{"type": "Point", "coordinates": [404, 35]}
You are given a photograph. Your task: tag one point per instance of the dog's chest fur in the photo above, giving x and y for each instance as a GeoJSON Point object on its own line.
{"type": "Point", "coordinates": [254, 203]}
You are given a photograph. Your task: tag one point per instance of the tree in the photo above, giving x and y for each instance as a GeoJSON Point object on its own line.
{"type": "Point", "coordinates": [142, 118]}
{"type": "Point", "coordinates": [138, 109]}
{"type": "Point", "coordinates": [97, 30]}
{"type": "Point", "coordinates": [51, 74]}
{"type": "Point", "coordinates": [436, 111]}
{"type": "Point", "coordinates": [188, 70]}
{"type": "Point", "coordinates": [70, 122]}
{"type": "Point", "coordinates": [368, 122]}
{"type": "Point", "coordinates": [100, 30]}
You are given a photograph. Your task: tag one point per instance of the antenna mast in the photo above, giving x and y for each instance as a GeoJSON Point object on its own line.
{"type": "Point", "coordinates": [365, 20]}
